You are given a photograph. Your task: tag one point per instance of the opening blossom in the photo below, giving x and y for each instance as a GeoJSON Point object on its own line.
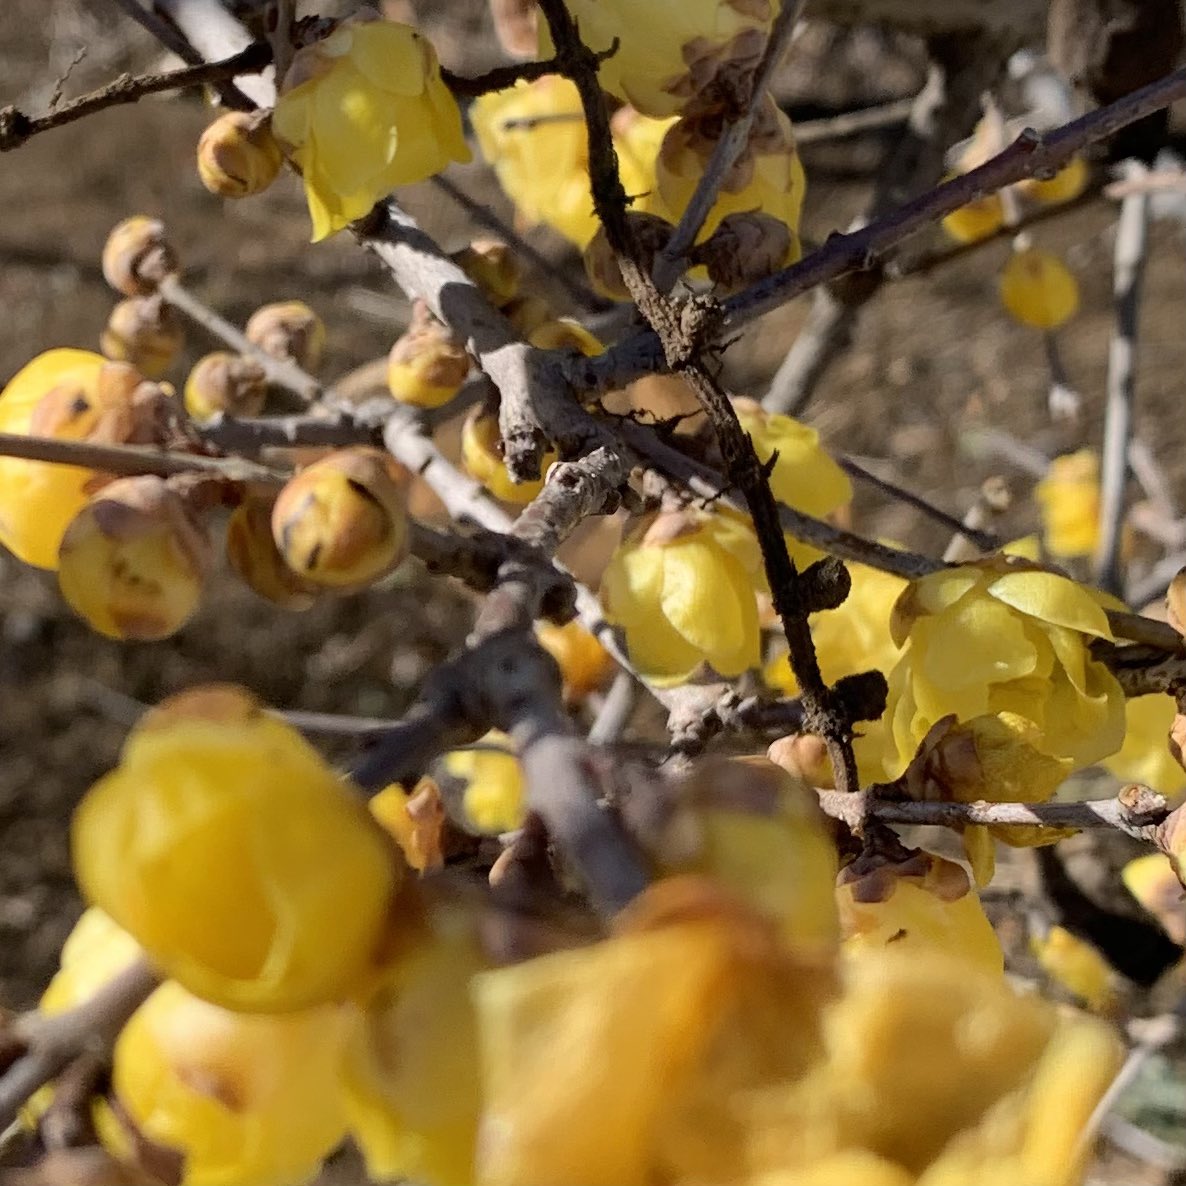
{"type": "Point", "coordinates": [363, 111]}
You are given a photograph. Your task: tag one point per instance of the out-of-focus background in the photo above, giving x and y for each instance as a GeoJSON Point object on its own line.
{"type": "Point", "coordinates": [936, 393]}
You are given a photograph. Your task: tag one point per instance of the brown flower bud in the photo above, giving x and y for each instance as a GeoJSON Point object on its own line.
{"type": "Point", "coordinates": [144, 331]}
{"type": "Point", "coordinates": [288, 329]}
{"type": "Point", "coordinates": [804, 755]}
{"type": "Point", "coordinates": [493, 267]}
{"type": "Point", "coordinates": [341, 522]}
{"type": "Point", "coordinates": [237, 154]}
{"type": "Point", "coordinates": [137, 256]}
{"type": "Point", "coordinates": [601, 266]}
{"type": "Point", "coordinates": [134, 560]}
{"type": "Point", "coordinates": [253, 554]}
{"type": "Point", "coordinates": [225, 382]}
{"type": "Point", "coordinates": [745, 247]}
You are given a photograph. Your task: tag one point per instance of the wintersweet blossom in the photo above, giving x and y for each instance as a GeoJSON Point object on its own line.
{"type": "Point", "coordinates": [1003, 636]}
{"type": "Point", "coordinates": [1069, 499]}
{"type": "Point", "coordinates": [363, 111]}
{"type": "Point", "coordinates": [681, 587]}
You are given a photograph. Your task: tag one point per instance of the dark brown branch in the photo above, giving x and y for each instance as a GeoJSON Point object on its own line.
{"type": "Point", "coordinates": [16, 127]}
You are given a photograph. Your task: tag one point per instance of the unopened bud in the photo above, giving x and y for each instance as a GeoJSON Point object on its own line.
{"type": "Point", "coordinates": [253, 554]}
{"type": "Point", "coordinates": [288, 329]}
{"type": "Point", "coordinates": [137, 256]}
{"type": "Point", "coordinates": [566, 334]}
{"type": "Point", "coordinates": [428, 364]}
{"type": "Point", "coordinates": [1175, 602]}
{"type": "Point", "coordinates": [746, 247]}
{"type": "Point", "coordinates": [482, 459]}
{"type": "Point", "coordinates": [237, 154]}
{"type": "Point", "coordinates": [225, 382]}
{"type": "Point", "coordinates": [805, 756]}
{"type": "Point", "coordinates": [144, 331]}
{"type": "Point", "coordinates": [493, 267]}
{"type": "Point", "coordinates": [341, 523]}
{"type": "Point", "coordinates": [134, 560]}
{"type": "Point", "coordinates": [651, 234]}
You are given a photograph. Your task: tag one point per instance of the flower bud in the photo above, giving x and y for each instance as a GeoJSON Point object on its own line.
{"type": "Point", "coordinates": [977, 220]}
{"type": "Point", "coordinates": [1151, 880]}
{"type": "Point", "coordinates": [745, 247]}
{"type": "Point", "coordinates": [484, 786]}
{"type": "Point", "coordinates": [237, 154]}
{"type": "Point", "coordinates": [601, 264]}
{"type": "Point", "coordinates": [134, 560]}
{"type": "Point", "coordinates": [1065, 186]}
{"type": "Point", "coordinates": [1077, 967]}
{"type": "Point", "coordinates": [1038, 290]}
{"type": "Point", "coordinates": [428, 364]}
{"type": "Point", "coordinates": [481, 458]}
{"type": "Point", "coordinates": [584, 663]}
{"type": "Point", "coordinates": [493, 267]}
{"type": "Point", "coordinates": [246, 868]}
{"type": "Point", "coordinates": [565, 334]}
{"type": "Point", "coordinates": [225, 382]}
{"type": "Point", "coordinates": [804, 755]}
{"type": "Point", "coordinates": [288, 329]}
{"type": "Point", "coordinates": [253, 554]}
{"type": "Point", "coordinates": [341, 522]}
{"type": "Point", "coordinates": [145, 332]}
{"type": "Point", "coordinates": [137, 256]}
{"type": "Point", "coordinates": [1175, 602]}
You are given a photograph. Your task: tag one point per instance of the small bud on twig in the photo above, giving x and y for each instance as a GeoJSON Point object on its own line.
{"type": "Point", "coordinates": [137, 256]}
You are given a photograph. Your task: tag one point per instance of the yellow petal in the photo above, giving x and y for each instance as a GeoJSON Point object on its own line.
{"type": "Point", "coordinates": [1052, 598]}
{"type": "Point", "coordinates": [354, 129]}
{"type": "Point", "coordinates": [390, 56]}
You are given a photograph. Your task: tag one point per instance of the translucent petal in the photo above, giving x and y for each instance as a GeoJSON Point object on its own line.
{"type": "Point", "coordinates": [698, 597]}
{"type": "Point", "coordinates": [977, 641]}
{"type": "Point", "coordinates": [354, 129]}
{"type": "Point", "coordinates": [292, 117]}
{"type": "Point", "coordinates": [929, 595]}
{"type": "Point", "coordinates": [633, 584]}
{"type": "Point", "coordinates": [390, 56]}
{"type": "Point", "coordinates": [1052, 598]}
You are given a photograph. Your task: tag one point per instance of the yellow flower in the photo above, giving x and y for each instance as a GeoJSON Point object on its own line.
{"type": "Point", "coordinates": [94, 953]}
{"type": "Point", "coordinates": [73, 395]}
{"type": "Point", "coordinates": [1038, 290]}
{"type": "Point", "coordinates": [671, 52]}
{"type": "Point", "coordinates": [533, 136]}
{"type": "Point", "coordinates": [411, 1074]}
{"type": "Point", "coordinates": [768, 175]}
{"type": "Point", "coordinates": [918, 903]}
{"type": "Point", "coordinates": [1077, 966]}
{"type": "Point", "coordinates": [1001, 636]}
{"type": "Point", "coordinates": [363, 111]}
{"type": "Point", "coordinates": [243, 1098]}
{"type": "Point", "coordinates": [1152, 881]}
{"type": "Point", "coordinates": [923, 1051]}
{"type": "Point", "coordinates": [493, 799]}
{"type": "Point", "coordinates": [235, 856]}
{"type": "Point", "coordinates": [691, 1001]}
{"type": "Point", "coordinates": [977, 220]}
{"type": "Point", "coordinates": [584, 663]}
{"type": "Point", "coordinates": [804, 475]}
{"type": "Point", "coordinates": [1066, 185]}
{"type": "Point", "coordinates": [681, 587]}
{"type": "Point", "coordinates": [1069, 499]}
{"type": "Point", "coordinates": [1145, 755]}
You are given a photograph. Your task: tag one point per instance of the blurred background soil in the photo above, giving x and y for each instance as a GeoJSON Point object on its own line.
{"type": "Point", "coordinates": [935, 362]}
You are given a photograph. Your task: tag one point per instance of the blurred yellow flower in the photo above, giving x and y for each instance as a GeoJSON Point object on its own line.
{"type": "Point", "coordinates": [95, 952]}
{"type": "Point", "coordinates": [1152, 881]}
{"type": "Point", "coordinates": [584, 663]}
{"type": "Point", "coordinates": [1145, 755]}
{"type": "Point", "coordinates": [1001, 636]}
{"type": "Point", "coordinates": [1076, 966]}
{"type": "Point", "coordinates": [1037, 289]}
{"type": "Point", "coordinates": [977, 220]}
{"type": "Point", "coordinates": [361, 112]}
{"type": "Point", "coordinates": [1069, 499]}
{"type": "Point", "coordinates": [493, 798]}
{"type": "Point", "coordinates": [244, 866]}
{"type": "Point", "coordinates": [242, 1097]}
{"type": "Point", "coordinates": [681, 586]}
{"type": "Point", "coordinates": [672, 52]}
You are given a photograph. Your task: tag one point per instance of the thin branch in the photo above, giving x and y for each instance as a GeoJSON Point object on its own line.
{"type": "Point", "coordinates": [1132, 234]}
{"type": "Point", "coordinates": [853, 123]}
{"type": "Point", "coordinates": [496, 79]}
{"type": "Point", "coordinates": [1139, 817]}
{"type": "Point", "coordinates": [672, 260]}
{"type": "Point", "coordinates": [48, 1044]}
{"type": "Point", "coordinates": [16, 127]}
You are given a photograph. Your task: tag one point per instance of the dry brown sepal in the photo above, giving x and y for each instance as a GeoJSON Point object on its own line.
{"type": "Point", "coordinates": [601, 266]}
{"type": "Point", "coordinates": [238, 155]}
{"type": "Point", "coordinates": [253, 554]}
{"type": "Point", "coordinates": [227, 383]}
{"type": "Point", "coordinates": [744, 248]}
{"type": "Point", "coordinates": [428, 363]}
{"type": "Point", "coordinates": [134, 561]}
{"type": "Point", "coordinates": [137, 256]}
{"type": "Point", "coordinates": [342, 523]}
{"type": "Point", "coordinates": [493, 267]}
{"type": "Point", "coordinates": [143, 331]}
{"type": "Point", "coordinates": [288, 329]}
{"type": "Point", "coordinates": [1175, 602]}
{"type": "Point", "coordinates": [1171, 839]}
